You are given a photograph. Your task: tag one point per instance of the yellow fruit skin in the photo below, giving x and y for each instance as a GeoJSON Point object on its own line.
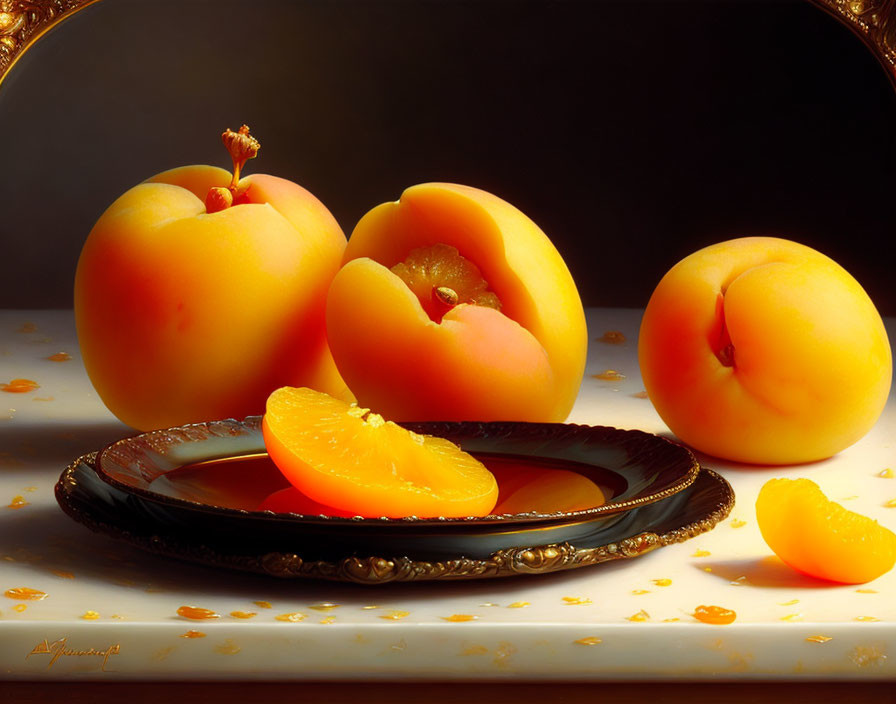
{"type": "Point", "coordinates": [819, 537]}
{"type": "Point", "coordinates": [383, 341]}
{"type": "Point", "coordinates": [185, 316]}
{"type": "Point", "coordinates": [812, 362]}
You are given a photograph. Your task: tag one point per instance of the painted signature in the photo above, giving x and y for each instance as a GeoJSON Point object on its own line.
{"type": "Point", "coordinates": [58, 649]}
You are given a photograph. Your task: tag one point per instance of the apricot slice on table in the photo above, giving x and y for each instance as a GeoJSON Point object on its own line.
{"type": "Point", "coordinates": [819, 537]}
{"type": "Point", "coordinates": [352, 459]}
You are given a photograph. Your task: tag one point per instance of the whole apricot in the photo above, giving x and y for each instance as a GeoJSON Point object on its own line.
{"type": "Point", "coordinates": [763, 350]}
{"type": "Point", "coordinates": [199, 292]}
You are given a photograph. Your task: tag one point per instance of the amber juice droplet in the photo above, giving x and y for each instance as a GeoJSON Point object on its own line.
{"type": "Point", "coordinates": [19, 386]}
{"type": "Point", "coordinates": [459, 618]}
{"type": "Point", "coordinates": [192, 634]}
{"type": "Point", "coordinates": [25, 594]}
{"type": "Point", "coordinates": [715, 615]}
{"type": "Point", "coordinates": [609, 375]}
{"type": "Point", "coordinates": [243, 614]}
{"type": "Point", "coordinates": [196, 613]}
{"type": "Point", "coordinates": [612, 337]}
{"type": "Point", "coordinates": [60, 357]}
{"type": "Point", "coordinates": [395, 615]}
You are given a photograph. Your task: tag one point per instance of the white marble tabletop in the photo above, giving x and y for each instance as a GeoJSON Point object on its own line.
{"type": "Point", "coordinates": [110, 611]}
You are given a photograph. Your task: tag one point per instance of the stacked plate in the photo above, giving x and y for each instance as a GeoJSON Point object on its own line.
{"type": "Point", "coordinates": [192, 493]}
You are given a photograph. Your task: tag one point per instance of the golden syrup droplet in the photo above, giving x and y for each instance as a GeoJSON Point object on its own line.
{"type": "Point", "coordinates": [326, 606]}
{"type": "Point", "coordinates": [459, 618]}
{"type": "Point", "coordinates": [638, 592]}
{"type": "Point", "coordinates": [886, 473]}
{"type": "Point", "coordinates": [789, 603]}
{"type": "Point", "coordinates": [819, 639]}
{"type": "Point", "coordinates": [738, 523]}
{"type": "Point", "coordinates": [867, 618]}
{"type": "Point", "coordinates": [715, 615]}
{"type": "Point", "coordinates": [243, 614]}
{"type": "Point", "coordinates": [293, 617]}
{"type": "Point", "coordinates": [60, 357]}
{"type": "Point", "coordinates": [518, 605]}
{"type": "Point", "coordinates": [642, 615]}
{"type": "Point", "coordinates": [20, 607]}
{"type": "Point", "coordinates": [890, 504]}
{"type": "Point", "coordinates": [263, 604]}
{"type": "Point", "coordinates": [17, 502]}
{"type": "Point", "coordinates": [369, 606]}
{"type": "Point", "coordinates": [63, 574]}
{"type": "Point", "coordinates": [612, 337]}
{"type": "Point", "coordinates": [25, 594]}
{"type": "Point", "coordinates": [196, 613]}
{"type": "Point", "coordinates": [701, 553]}
{"type": "Point", "coordinates": [90, 615]}
{"type": "Point", "coordinates": [665, 582]}
{"type": "Point", "coordinates": [590, 640]}
{"type": "Point", "coordinates": [328, 619]}
{"type": "Point", "coordinates": [192, 634]}
{"type": "Point", "coordinates": [576, 600]}
{"type": "Point", "coordinates": [792, 617]}
{"type": "Point", "coordinates": [671, 620]}
{"type": "Point", "coordinates": [395, 615]}
{"type": "Point", "coordinates": [609, 375]}
{"type": "Point", "coordinates": [866, 591]}
{"type": "Point", "coordinates": [19, 386]}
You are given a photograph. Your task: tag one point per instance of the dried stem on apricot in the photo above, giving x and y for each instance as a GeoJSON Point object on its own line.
{"type": "Point", "coordinates": [241, 146]}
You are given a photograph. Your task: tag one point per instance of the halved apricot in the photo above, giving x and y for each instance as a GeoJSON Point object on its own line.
{"type": "Point", "coordinates": [347, 457]}
{"type": "Point", "coordinates": [819, 537]}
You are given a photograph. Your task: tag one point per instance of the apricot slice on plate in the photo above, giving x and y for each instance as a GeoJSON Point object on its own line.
{"type": "Point", "coordinates": [819, 537]}
{"type": "Point", "coordinates": [524, 489]}
{"type": "Point", "coordinates": [347, 457]}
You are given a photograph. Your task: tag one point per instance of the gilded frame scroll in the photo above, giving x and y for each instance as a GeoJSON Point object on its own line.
{"type": "Point", "coordinates": [23, 22]}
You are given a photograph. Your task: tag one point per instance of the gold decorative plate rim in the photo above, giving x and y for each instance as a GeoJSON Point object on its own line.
{"type": "Point", "coordinates": [133, 463]}
{"type": "Point", "coordinates": [699, 508]}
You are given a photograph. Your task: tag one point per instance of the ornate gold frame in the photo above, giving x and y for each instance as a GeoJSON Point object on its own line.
{"type": "Point", "coordinates": [23, 22]}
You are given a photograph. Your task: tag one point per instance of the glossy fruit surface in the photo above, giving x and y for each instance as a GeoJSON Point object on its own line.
{"type": "Point", "coordinates": [766, 351]}
{"type": "Point", "coordinates": [819, 537]}
{"type": "Point", "coordinates": [344, 456]}
{"type": "Point", "coordinates": [453, 305]}
{"type": "Point", "coordinates": [187, 315]}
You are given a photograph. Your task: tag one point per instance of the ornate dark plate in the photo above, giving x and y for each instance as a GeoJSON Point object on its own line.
{"type": "Point", "coordinates": [183, 492]}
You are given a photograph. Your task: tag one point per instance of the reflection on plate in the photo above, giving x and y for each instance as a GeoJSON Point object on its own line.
{"type": "Point", "coordinates": [190, 493]}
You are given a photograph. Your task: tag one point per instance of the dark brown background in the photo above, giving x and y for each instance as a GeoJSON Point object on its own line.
{"type": "Point", "coordinates": [632, 132]}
